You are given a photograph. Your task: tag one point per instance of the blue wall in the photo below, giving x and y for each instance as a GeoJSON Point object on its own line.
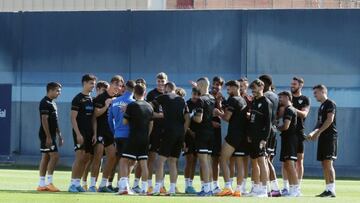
{"type": "Point", "coordinates": [323, 46]}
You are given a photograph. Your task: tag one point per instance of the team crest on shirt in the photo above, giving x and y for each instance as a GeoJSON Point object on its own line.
{"type": "Point", "coordinates": [300, 101]}
{"type": "Point", "coordinates": [259, 105]}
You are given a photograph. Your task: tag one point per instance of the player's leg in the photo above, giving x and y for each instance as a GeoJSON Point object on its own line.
{"type": "Point", "coordinates": [123, 183]}
{"type": "Point", "coordinates": [232, 167]}
{"type": "Point", "coordinates": [173, 174]}
{"type": "Point", "coordinates": [110, 152]}
{"type": "Point", "coordinates": [54, 158]}
{"type": "Point", "coordinates": [292, 175]}
{"type": "Point", "coordinates": [96, 165]}
{"type": "Point", "coordinates": [81, 158]}
{"type": "Point", "coordinates": [151, 162]}
{"type": "Point", "coordinates": [264, 177]}
{"type": "Point", "coordinates": [226, 153]}
{"type": "Point", "coordinates": [239, 162]}
{"type": "Point", "coordinates": [86, 173]}
{"type": "Point", "coordinates": [142, 164]}
{"type": "Point", "coordinates": [159, 174]}
{"type": "Point", "coordinates": [45, 157]}
{"type": "Point", "coordinates": [245, 166]}
{"type": "Point", "coordinates": [189, 174]}
{"type": "Point", "coordinates": [137, 173]}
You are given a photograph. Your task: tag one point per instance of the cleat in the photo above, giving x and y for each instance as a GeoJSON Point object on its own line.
{"type": "Point", "coordinates": [123, 192]}
{"type": "Point", "coordinates": [204, 194]}
{"type": "Point", "coordinates": [92, 189]}
{"type": "Point", "coordinates": [326, 194]}
{"type": "Point", "coordinates": [190, 190]}
{"type": "Point", "coordinates": [73, 189]}
{"type": "Point", "coordinates": [51, 188]}
{"type": "Point", "coordinates": [136, 189]}
{"type": "Point", "coordinates": [116, 189]}
{"type": "Point", "coordinates": [163, 190]}
{"type": "Point", "coordinates": [216, 190]}
{"type": "Point", "coordinates": [285, 192]}
{"type": "Point", "coordinates": [237, 193]}
{"type": "Point", "coordinates": [85, 187]}
{"type": "Point", "coordinates": [42, 189]}
{"type": "Point", "coordinates": [177, 190]}
{"type": "Point", "coordinates": [156, 194]}
{"type": "Point", "coordinates": [110, 187]}
{"type": "Point", "coordinates": [225, 192]}
{"type": "Point", "coordinates": [171, 194]}
{"type": "Point", "coordinates": [104, 190]}
{"type": "Point", "coordinates": [80, 189]}
{"type": "Point", "coordinates": [275, 193]}
{"type": "Point", "coordinates": [150, 190]}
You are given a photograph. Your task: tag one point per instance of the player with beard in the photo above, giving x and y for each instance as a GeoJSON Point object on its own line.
{"type": "Point", "coordinates": [235, 113]}
{"type": "Point", "coordinates": [302, 105]}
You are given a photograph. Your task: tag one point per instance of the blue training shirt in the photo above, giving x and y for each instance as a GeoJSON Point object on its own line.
{"type": "Point", "coordinates": [116, 115]}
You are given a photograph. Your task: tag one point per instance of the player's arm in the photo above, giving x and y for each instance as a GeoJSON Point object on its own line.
{"type": "Point", "coordinates": [75, 126]}
{"type": "Point", "coordinates": [155, 103]}
{"type": "Point", "coordinates": [151, 125]}
{"type": "Point", "coordinates": [303, 112]}
{"type": "Point", "coordinates": [60, 137]}
{"type": "Point", "coordinates": [287, 121]}
{"type": "Point", "coordinates": [100, 110]}
{"type": "Point", "coordinates": [45, 124]}
{"type": "Point", "coordinates": [329, 120]}
{"type": "Point", "coordinates": [268, 123]}
{"type": "Point", "coordinates": [127, 114]}
{"type": "Point", "coordinates": [111, 119]}
{"type": "Point", "coordinates": [197, 118]}
{"type": "Point", "coordinates": [187, 121]}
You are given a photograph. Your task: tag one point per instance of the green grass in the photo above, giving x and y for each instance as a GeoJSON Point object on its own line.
{"type": "Point", "coordinates": [19, 186]}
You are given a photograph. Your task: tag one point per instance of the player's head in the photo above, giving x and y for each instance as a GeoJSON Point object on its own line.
{"type": "Point", "coordinates": [53, 90]}
{"type": "Point", "coordinates": [203, 85]}
{"type": "Point", "coordinates": [267, 80]}
{"type": "Point", "coordinates": [140, 81]}
{"type": "Point", "coordinates": [244, 85]}
{"type": "Point", "coordinates": [116, 85]}
{"type": "Point", "coordinates": [139, 91]}
{"type": "Point", "coordinates": [195, 94]}
{"type": "Point", "coordinates": [257, 88]}
{"type": "Point", "coordinates": [101, 87]}
{"type": "Point", "coordinates": [161, 80]}
{"type": "Point", "coordinates": [320, 92]}
{"type": "Point", "coordinates": [297, 84]}
{"type": "Point", "coordinates": [232, 87]}
{"type": "Point", "coordinates": [285, 98]}
{"type": "Point", "coordinates": [180, 91]}
{"type": "Point", "coordinates": [130, 85]}
{"type": "Point", "coordinates": [88, 81]}
{"type": "Point", "coordinates": [217, 84]}
{"type": "Point", "coordinates": [170, 87]}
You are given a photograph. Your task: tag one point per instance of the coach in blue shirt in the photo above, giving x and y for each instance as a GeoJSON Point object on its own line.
{"type": "Point", "coordinates": [116, 115]}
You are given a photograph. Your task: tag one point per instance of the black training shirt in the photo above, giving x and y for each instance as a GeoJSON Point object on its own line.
{"type": "Point", "coordinates": [103, 128]}
{"type": "Point", "coordinates": [237, 122]}
{"type": "Point", "coordinates": [139, 114]}
{"type": "Point", "coordinates": [174, 109]}
{"type": "Point", "coordinates": [290, 114]}
{"type": "Point", "coordinates": [300, 103]}
{"type": "Point", "coordinates": [83, 104]}
{"type": "Point", "coordinates": [260, 118]}
{"type": "Point", "coordinates": [328, 106]}
{"type": "Point", "coordinates": [48, 107]}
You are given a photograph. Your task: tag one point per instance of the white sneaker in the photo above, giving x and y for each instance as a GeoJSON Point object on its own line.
{"type": "Point", "coordinates": [216, 190]}
{"type": "Point", "coordinates": [262, 194]}
{"type": "Point", "coordinates": [295, 194]}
